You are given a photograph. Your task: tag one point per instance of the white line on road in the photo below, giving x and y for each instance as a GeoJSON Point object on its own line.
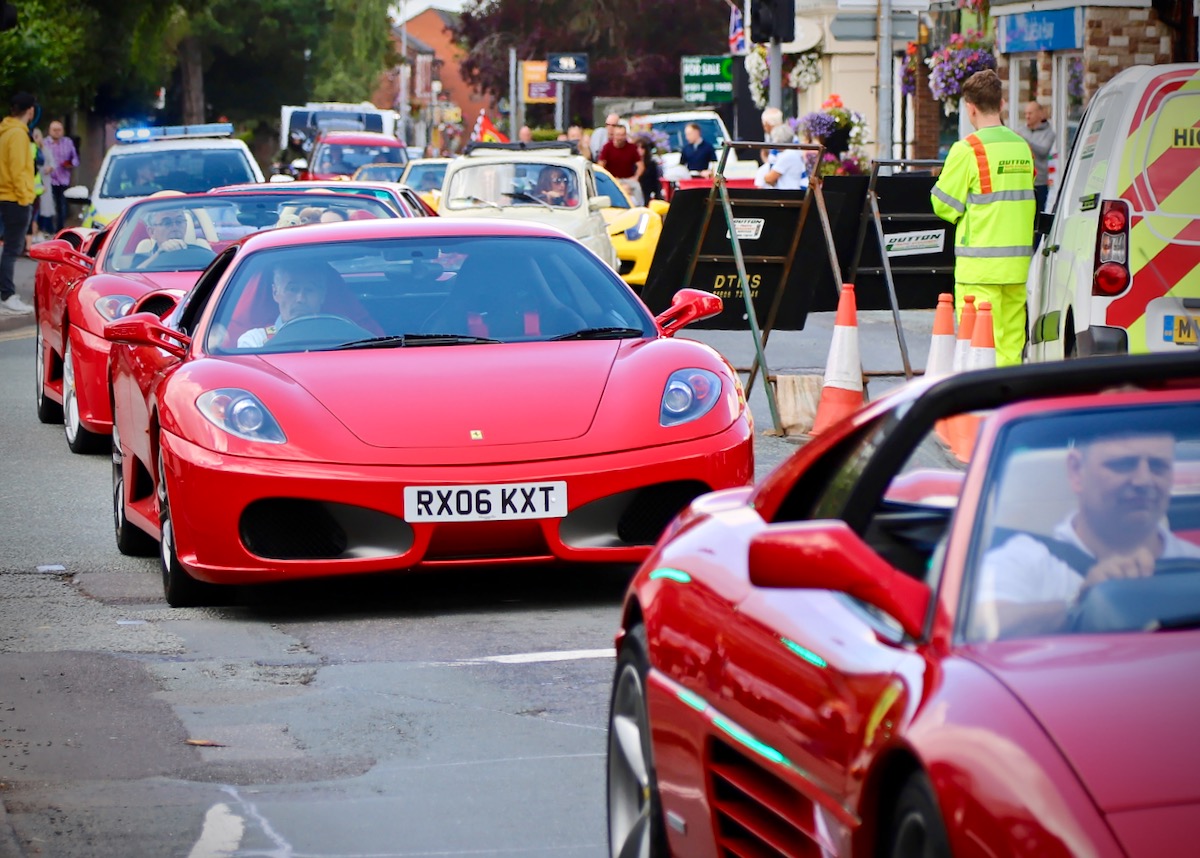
{"type": "Point", "coordinates": [536, 657]}
{"type": "Point", "coordinates": [19, 334]}
{"type": "Point", "coordinates": [221, 835]}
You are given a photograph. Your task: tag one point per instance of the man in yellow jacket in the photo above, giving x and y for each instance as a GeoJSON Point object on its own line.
{"type": "Point", "coordinates": [986, 190]}
{"type": "Point", "coordinates": [16, 196]}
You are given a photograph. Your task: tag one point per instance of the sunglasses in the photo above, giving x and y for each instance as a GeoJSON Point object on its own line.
{"type": "Point", "coordinates": [559, 180]}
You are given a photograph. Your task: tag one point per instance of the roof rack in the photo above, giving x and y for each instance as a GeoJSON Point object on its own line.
{"type": "Point", "coordinates": [145, 134]}
{"type": "Point", "coordinates": [562, 146]}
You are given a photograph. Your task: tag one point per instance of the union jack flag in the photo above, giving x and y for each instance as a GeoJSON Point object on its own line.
{"type": "Point", "coordinates": [737, 31]}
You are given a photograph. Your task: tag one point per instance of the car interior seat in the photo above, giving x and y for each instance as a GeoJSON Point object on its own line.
{"type": "Point", "coordinates": [519, 306]}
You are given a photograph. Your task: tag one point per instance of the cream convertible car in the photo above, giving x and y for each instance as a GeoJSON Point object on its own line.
{"type": "Point", "coordinates": [541, 183]}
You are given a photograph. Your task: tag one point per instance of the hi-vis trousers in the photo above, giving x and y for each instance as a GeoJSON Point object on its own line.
{"type": "Point", "coordinates": [1008, 316]}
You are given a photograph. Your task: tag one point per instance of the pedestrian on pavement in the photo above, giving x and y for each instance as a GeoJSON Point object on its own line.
{"type": "Point", "coordinates": [44, 213]}
{"type": "Point", "coordinates": [1039, 134]}
{"type": "Point", "coordinates": [697, 154]}
{"type": "Point", "coordinates": [772, 118]}
{"type": "Point", "coordinates": [16, 196]}
{"type": "Point", "coordinates": [621, 158]}
{"type": "Point", "coordinates": [786, 169]}
{"type": "Point", "coordinates": [600, 135]}
{"type": "Point", "coordinates": [66, 159]}
{"type": "Point", "coordinates": [575, 135]}
{"type": "Point", "coordinates": [651, 179]}
{"type": "Point", "coordinates": [525, 134]}
{"type": "Point", "coordinates": [986, 190]}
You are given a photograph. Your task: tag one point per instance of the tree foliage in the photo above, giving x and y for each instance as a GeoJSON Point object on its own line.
{"type": "Point", "coordinates": [356, 46]}
{"type": "Point", "coordinates": [633, 46]}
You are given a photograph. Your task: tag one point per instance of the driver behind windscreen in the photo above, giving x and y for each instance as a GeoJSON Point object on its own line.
{"type": "Point", "coordinates": [298, 290]}
{"type": "Point", "coordinates": [1122, 484]}
{"type": "Point", "coordinates": [168, 234]}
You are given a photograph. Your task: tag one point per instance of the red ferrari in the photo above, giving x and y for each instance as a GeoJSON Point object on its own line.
{"type": "Point", "coordinates": [879, 652]}
{"type": "Point", "coordinates": [85, 280]}
{"type": "Point", "coordinates": [375, 396]}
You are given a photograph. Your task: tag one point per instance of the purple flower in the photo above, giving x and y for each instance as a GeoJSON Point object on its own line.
{"type": "Point", "coordinates": [817, 124]}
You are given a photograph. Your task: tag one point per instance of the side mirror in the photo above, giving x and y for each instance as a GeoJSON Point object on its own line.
{"type": "Point", "coordinates": [78, 194]}
{"type": "Point", "coordinates": [828, 555]}
{"type": "Point", "coordinates": [60, 250]}
{"type": "Point", "coordinates": [661, 207]}
{"type": "Point", "coordinates": [603, 201]}
{"type": "Point", "coordinates": [688, 305]}
{"type": "Point", "coordinates": [146, 329]}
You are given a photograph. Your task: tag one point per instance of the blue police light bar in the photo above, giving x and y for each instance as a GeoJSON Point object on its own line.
{"type": "Point", "coordinates": [174, 132]}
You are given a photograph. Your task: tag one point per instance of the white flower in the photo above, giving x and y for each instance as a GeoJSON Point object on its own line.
{"type": "Point", "coordinates": [807, 70]}
{"type": "Point", "coordinates": [757, 72]}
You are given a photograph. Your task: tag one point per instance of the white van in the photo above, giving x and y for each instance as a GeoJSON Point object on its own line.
{"type": "Point", "coordinates": [1118, 266]}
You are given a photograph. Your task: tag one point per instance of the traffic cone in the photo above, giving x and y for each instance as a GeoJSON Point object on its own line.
{"type": "Point", "coordinates": [966, 326]}
{"type": "Point", "coordinates": [842, 390]}
{"type": "Point", "coordinates": [965, 428]}
{"type": "Point", "coordinates": [943, 345]}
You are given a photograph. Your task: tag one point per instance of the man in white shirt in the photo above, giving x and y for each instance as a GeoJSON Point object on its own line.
{"type": "Point", "coordinates": [297, 292]}
{"type": "Point", "coordinates": [1123, 486]}
{"type": "Point", "coordinates": [786, 169]}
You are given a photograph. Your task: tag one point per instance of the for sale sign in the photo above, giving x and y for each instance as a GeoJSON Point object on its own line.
{"type": "Point", "coordinates": [707, 80]}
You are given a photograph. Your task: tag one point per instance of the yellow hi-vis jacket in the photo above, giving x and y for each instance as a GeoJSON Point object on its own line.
{"type": "Point", "coordinates": [986, 188]}
{"type": "Point", "coordinates": [37, 174]}
{"type": "Point", "coordinates": [16, 162]}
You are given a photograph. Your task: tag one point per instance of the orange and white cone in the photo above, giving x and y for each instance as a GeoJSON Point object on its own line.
{"type": "Point", "coordinates": [943, 345]}
{"type": "Point", "coordinates": [842, 390]}
{"type": "Point", "coordinates": [966, 326]}
{"type": "Point", "coordinates": [983, 339]}
{"type": "Point", "coordinates": [965, 427]}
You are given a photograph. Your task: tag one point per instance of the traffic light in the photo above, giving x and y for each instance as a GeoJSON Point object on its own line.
{"type": "Point", "coordinates": [772, 19]}
{"type": "Point", "coordinates": [8, 16]}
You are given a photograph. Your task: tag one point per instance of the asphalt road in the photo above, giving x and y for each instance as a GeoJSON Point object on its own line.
{"type": "Point", "coordinates": [462, 714]}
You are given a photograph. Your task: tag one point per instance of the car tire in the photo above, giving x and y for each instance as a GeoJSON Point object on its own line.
{"type": "Point", "coordinates": [635, 820]}
{"type": "Point", "coordinates": [131, 539]}
{"type": "Point", "coordinates": [915, 828]}
{"type": "Point", "coordinates": [79, 439]}
{"type": "Point", "coordinates": [48, 411]}
{"type": "Point", "coordinates": [180, 589]}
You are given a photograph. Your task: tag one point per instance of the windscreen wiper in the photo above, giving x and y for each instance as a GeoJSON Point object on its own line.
{"type": "Point", "coordinates": [445, 340]}
{"type": "Point", "coordinates": [522, 195]}
{"type": "Point", "coordinates": [373, 343]}
{"type": "Point", "coordinates": [601, 334]}
{"type": "Point", "coordinates": [480, 200]}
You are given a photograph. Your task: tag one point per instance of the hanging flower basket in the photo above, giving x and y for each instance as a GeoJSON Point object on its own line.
{"type": "Point", "coordinates": [950, 66]}
{"type": "Point", "coordinates": [834, 125]}
{"type": "Point", "coordinates": [806, 71]}
{"type": "Point", "coordinates": [908, 71]}
{"type": "Point", "coordinates": [758, 75]}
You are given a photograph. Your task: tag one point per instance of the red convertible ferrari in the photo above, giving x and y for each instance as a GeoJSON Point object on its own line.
{"type": "Point", "coordinates": [378, 396]}
{"type": "Point", "coordinates": [877, 652]}
{"type": "Point", "coordinates": [163, 242]}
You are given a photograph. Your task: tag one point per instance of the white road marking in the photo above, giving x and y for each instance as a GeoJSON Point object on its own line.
{"type": "Point", "coordinates": [536, 657]}
{"type": "Point", "coordinates": [221, 836]}
{"type": "Point", "coordinates": [19, 334]}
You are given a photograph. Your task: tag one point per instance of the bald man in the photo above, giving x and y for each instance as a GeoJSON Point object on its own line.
{"type": "Point", "coordinates": [1039, 134]}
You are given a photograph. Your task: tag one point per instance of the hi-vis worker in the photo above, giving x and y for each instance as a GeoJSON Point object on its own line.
{"type": "Point", "coordinates": [986, 188]}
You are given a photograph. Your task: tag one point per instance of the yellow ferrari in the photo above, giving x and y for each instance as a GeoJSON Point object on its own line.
{"type": "Point", "coordinates": [633, 230]}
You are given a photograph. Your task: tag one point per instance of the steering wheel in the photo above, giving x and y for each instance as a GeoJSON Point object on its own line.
{"type": "Point", "coordinates": [191, 256]}
{"type": "Point", "coordinates": [1126, 604]}
{"type": "Point", "coordinates": [319, 329]}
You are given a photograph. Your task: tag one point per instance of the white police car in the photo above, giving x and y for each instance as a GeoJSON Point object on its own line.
{"type": "Point", "coordinates": [187, 158]}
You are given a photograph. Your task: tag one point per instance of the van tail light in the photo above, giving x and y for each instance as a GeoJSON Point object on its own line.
{"type": "Point", "coordinates": [1112, 250]}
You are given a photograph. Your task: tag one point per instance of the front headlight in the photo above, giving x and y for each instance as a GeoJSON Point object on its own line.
{"type": "Point", "coordinates": [689, 395]}
{"type": "Point", "coordinates": [114, 306]}
{"type": "Point", "coordinates": [638, 229]}
{"type": "Point", "coordinates": [240, 413]}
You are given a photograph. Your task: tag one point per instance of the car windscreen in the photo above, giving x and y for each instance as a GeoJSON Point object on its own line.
{"type": "Point", "coordinates": [379, 172]}
{"type": "Point", "coordinates": [426, 177]}
{"type": "Point", "coordinates": [344, 158]}
{"type": "Point", "coordinates": [500, 184]}
{"type": "Point", "coordinates": [709, 129]}
{"type": "Point", "coordinates": [1091, 524]}
{"type": "Point", "coordinates": [142, 173]}
{"type": "Point", "coordinates": [185, 233]}
{"type": "Point", "coordinates": [411, 292]}
{"type": "Point", "coordinates": [607, 187]}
